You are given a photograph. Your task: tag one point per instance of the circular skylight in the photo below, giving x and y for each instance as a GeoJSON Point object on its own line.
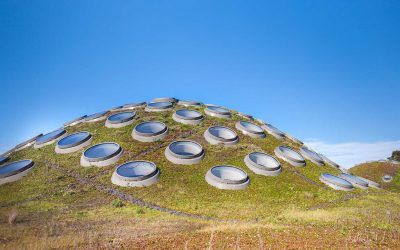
{"type": "Point", "coordinates": [222, 134]}
{"type": "Point", "coordinates": [50, 136]}
{"type": "Point", "coordinates": [185, 149]}
{"type": "Point", "coordinates": [116, 108]}
{"type": "Point", "coordinates": [73, 140]}
{"type": "Point", "coordinates": [273, 131]}
{"type": "Point", "coordinates": [75, 121]}
{"type": "Point", "coordinates": [387, 178]}
{"type": "Point", "coordinates": [354, 180]}
{"type": "Point", "coordinates": [250, 129]}
{"type": "Point", "coordinates": [136, 170]}
{"type": "Point", "coordinates": [263, 164]}
{"type": "Point", "coordinates": [150, 131]}
{"type": "Point", "coordinates": [264, 161]}
{"type": "Point", "coordinates": [312, 156]}
{"type": "Point", "coordinates": [102, 151]}
{"type": "Point", "coordinates": [4, 159]}
{"type": "Point", "coordinates": [150, 128]}
{"type": "Point", "coordinates": [133, 105]}
{"type": "Point", "coordinates": [189, 103]}
{"type": "Point", "coordinates": [217, 111]}
{"type": "Point", "coordinates": [370, 183]}
{"type": "Point", "coordinates": [293, 139]}
{"type": "Point", "coordinates": [96, 116]}
{"type": "Point", "coordinates": [187, 116]}
{"type": "Point", "coordinates": [27, 143]}
{"type": "Point", "coordinates": [229, 174]}
{"type": "Point", "coordinates": [184, 152]}
{"type": "Point", "coordinates": [15, 167]}
{"type": "Point", "coordinates": [290, 155]}
{"type": "Point", "coordinates": [336, 182]}
{"type": "Point", "coordinates": [227, 177]}
{"type": "Point", "coordinates": [165, 99]}
{"type": "Point", "coordinates": [121, 117]}
{"type": "Point", "coordinates": [159, 106]}
{"type": "Point", "coordinates": [136, 174]}
{"type": "Point", "coordinates": [328, 161]}
{"type": "Point", "coordinates": [245, 115]}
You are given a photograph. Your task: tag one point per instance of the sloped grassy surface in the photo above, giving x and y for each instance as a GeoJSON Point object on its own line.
{"type": "Point", "coordinates": [376, 170]}
{"type": "Point", "coordinates": [182, 187]}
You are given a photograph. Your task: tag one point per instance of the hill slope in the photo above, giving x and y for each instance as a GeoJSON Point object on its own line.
{"type": "Point", "coordinates": [376, 170]}
{"type": "Point", "coordinates": [64, 204]}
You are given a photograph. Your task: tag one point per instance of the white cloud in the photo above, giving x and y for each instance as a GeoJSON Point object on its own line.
{"type": "Point", "coordinates": [351, 153]}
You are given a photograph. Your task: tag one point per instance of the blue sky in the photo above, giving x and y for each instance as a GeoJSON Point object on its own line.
{"type": "Point", "coordinates": [328, 72]}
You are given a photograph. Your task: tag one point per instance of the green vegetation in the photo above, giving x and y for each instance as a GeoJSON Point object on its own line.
{"type": "Point", "coordinates": [140, 210]}
{"type": "Point", "coordinates": [395, 155]}
{"type": "Point", "coordinates": [117, 203]}
{"type": "Point", "coordinates": [376, 170]}
{"type": "Point", "coordinates": [61, 202]}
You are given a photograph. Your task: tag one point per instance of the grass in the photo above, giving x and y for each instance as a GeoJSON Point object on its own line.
{"type": "Point", "coordinates": [117, 203]}
{"type": "Point", "coordinates": [279, 202]}
{"type": "Point", "coordinates": [376, 170]}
